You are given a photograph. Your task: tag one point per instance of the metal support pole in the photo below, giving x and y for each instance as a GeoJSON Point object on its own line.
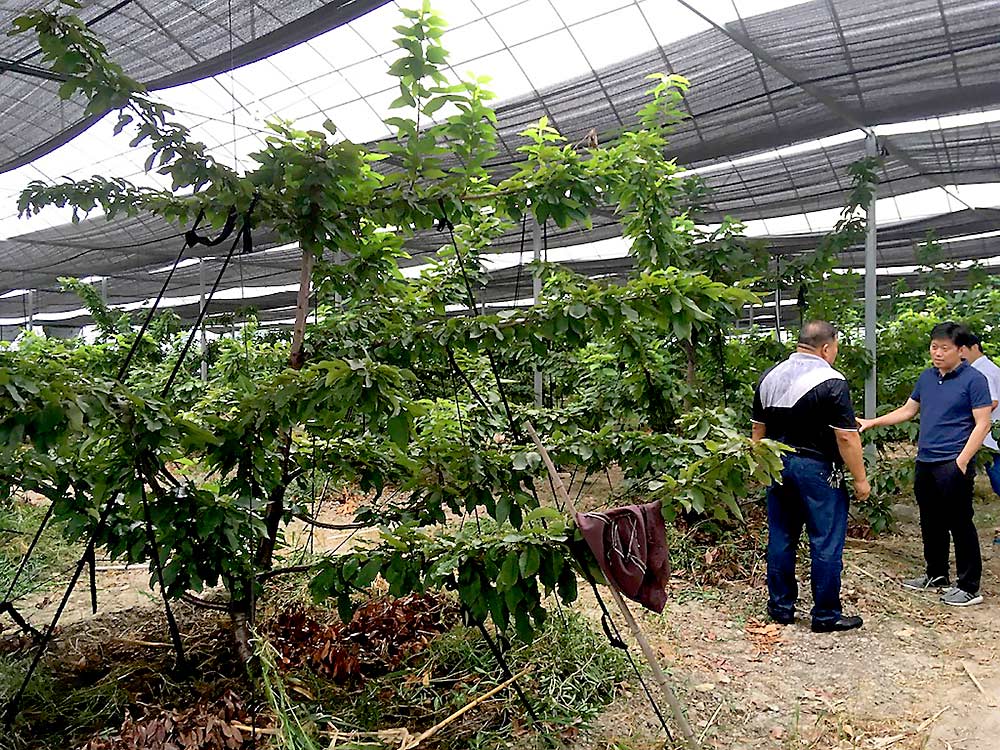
{"type": "Point", "coordinates": [536, 291]}
{"type": "Point", "coordinates": [339, 261]}
{"type": "Point", "coordinates": [201, 309]}
{"type": "Point", "coordinates": [871, 289]}
{"type": "Point", "coordinates": [104, 290]}
{"type": "Point", "coordinates": [777, 302]}
{"type": "Point", "coordinates": [31, 309]}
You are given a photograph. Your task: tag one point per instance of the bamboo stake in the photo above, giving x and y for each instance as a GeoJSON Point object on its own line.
{"type": "Point", "coordinates": [661, 679]}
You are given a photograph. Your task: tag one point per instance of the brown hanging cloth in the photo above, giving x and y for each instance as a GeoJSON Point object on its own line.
{"type": "Point", "coordinates": [630, 545]}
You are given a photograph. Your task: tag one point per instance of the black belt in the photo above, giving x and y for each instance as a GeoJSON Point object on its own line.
{"type": "Point", "coordinates": [810, 453]}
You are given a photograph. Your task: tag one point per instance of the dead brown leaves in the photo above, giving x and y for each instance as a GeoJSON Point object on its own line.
{"type": "Point", "coordinates": [208, 725]}
{"type": "Point", "coordinates": [383, 633]}
{"type": "Point", "coordinates": [764, 637]}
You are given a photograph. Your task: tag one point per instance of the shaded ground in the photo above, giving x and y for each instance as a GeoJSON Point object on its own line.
{"type": "Point", "coordinates": [918, 675]}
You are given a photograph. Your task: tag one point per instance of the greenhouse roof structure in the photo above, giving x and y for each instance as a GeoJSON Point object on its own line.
{"type": "Point", "coordinates": [782, 95]}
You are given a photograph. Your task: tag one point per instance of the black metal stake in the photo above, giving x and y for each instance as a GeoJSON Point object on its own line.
{"type": "Point", "coordinates": [27, 554]}
{"type": "Point", "coordinates": [15, 702]}
{"type": "Point", "coordinates": [92, 567]}
{"type": "Point", "coordinates": [154, 551]}
{"type": "Point", "coordinates": [507, 673]}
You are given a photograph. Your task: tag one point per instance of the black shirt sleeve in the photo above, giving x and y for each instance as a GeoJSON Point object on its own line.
{"type": "Point", "coordinates": [757, 415]}
{"type": "Point", "coordinates": [839, 411]}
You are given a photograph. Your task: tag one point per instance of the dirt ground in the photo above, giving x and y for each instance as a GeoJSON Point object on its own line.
{"type": "Point", "coordinates": [918, 675]}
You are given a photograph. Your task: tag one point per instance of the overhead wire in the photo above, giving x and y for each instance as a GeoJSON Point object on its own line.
{"type": "Point", "coordinates": [96, 19]}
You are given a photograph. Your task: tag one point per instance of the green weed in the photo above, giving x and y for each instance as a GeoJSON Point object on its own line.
{"type": "Point", "coordinates": [52, 556]}
{"type": "Point", "coordinates": [575, 674]}
{"type": "Point", "coordinates": [54, 712]}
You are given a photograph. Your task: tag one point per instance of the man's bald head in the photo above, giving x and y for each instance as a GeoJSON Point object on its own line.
{"type": "Point", "coordinates": [816, 333]}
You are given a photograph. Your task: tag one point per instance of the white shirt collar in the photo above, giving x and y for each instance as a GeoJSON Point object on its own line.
{"type": "Point", "coordinates": [810, 356]}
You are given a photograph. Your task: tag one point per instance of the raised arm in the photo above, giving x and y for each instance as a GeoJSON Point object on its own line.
{"type": "Point", "coordinates": [904, 413]}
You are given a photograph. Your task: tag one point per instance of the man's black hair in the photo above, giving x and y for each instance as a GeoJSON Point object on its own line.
{"type": "Point", "coordinates": [974, 340]}
{"type": "Point", "coordinates": [956, 333]}
{"type": "Point", "coordinates": [815, 333]}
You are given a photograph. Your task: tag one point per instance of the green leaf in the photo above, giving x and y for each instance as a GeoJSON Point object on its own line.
{"type": "Point", "coordinates": [399, 429]}
{"type": "Point", "coordinates": [503, 509]}
{"type": "Point", "coordinates": [529, 561]}
{"type": "Point", "coordinates": [437, 55]}
{"type": "Point", "coordinates": [434, 105]}
{"type": "Point", "coordinates": [543, 513]}
{"type": "Point", "coordinates": [508, 571]}
{"type": "Point", "coordinates": [368, 573]}
{"type": "Point", "coordinates": [345, 608]}
{"type": "Point", "coordinates": [499, 612]}
{"type": "Point", "coordinates": [567, 585]}
{"type": "Point", "coordinates": [522, 625]}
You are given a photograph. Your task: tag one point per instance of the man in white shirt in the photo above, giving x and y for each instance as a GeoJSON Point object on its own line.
{"type": "Point", "coordinates": [973, 354]}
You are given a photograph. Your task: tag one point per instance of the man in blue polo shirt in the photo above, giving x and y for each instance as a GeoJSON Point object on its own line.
{"type": "Point", "coordinates": [954, 403]}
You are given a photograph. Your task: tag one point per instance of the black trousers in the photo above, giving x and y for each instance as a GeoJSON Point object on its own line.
{"type": "Point", "coordinates": [944, 496]}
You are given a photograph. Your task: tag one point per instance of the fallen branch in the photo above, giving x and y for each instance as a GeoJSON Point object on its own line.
{"type": "Point", "coordinates": [268, 574]}
{"type": "Point", "coordinates": [930, 720]}
{"type": "Point", "coordinates": [197, 601]}
{"type": "Point", "coordinates": [862, 571]}
{"type": "Point", "coordinates": [465, 709]}
{"type": "Point", "coordinates": [266, 731]}
{"type": "Point", "coordinates": [401, 735]}
{"type": "Point", "coordinates": [711, 721]}
{"type": "Point", "coordinates": [306, 518]}
{"type": "Point", "coordinates": [885, 742]}
{"type": "Point", "coordinates": [978, 684]}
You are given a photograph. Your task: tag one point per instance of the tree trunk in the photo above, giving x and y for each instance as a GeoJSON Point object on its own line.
{"type": "Point", "coordinates": [295, 360]}
{"type": "Point", "coordinates": [242, 613]}
{"type": "Point", "coordinates": [690, 351]}
{"type": "Point", "coordinates": [276, 502]}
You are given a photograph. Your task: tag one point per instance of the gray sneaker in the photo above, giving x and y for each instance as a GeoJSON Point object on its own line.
{"type": "Point", "coordinates": [958, 598]}
{"type": "Point", "coordinates": [925, 582]}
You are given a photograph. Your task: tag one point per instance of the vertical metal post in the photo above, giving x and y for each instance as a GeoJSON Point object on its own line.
{"type": "Point", "coordinates": [339, 261]}
{"type": "Point", "coordinates": [871, 289]}
{"type": "Point", "coordinates": [31, 309]}
{"type": "Point", "coordinates": [536, 291]}
{"type": "Point", "coordinates": [104, 290]}
{"type": "Point", "coordinates": [777, 301]}
{"type": "Point", "coordinates": [201, 308]}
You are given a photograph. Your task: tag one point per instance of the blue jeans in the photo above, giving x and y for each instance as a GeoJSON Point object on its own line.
{"type": "Point", "coordinates": [993, 471]}
{"type": "Point", "coordinates": [805, 498]}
